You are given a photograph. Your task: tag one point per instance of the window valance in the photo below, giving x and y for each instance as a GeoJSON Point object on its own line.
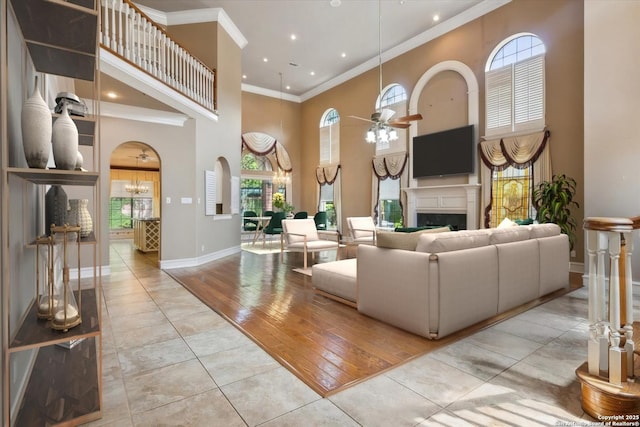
{"type": "Point", "coordinates": [390, 166]}
{"type": "Point", "coordinates": [516, 151]}
{"type": "Point", "coordinates": [262, 144]}
{"type": "Point", "coordinates": [523, 151]}
{"type": "Point", "coordinates": [327, 174]}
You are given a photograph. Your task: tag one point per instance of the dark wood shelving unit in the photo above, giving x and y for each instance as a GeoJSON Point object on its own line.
{"type": "Point", "coordinates": [36, 332]}
{"type": "Point", "coordinates": [61, 36]}
{"type": "Point", "coordinates": [64, 385]}
{"type": "Point", "coordinates": [55, 176]}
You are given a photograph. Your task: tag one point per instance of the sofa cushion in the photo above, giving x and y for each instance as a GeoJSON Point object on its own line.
{"type": "Point", "coordinates": [537, 231]}
{"type": "Point", "coordinates": [403, 240]}
{"type": "Point", "coordinates": [508, 235]}
{"type": "Point", "coordinates": [450, 241]}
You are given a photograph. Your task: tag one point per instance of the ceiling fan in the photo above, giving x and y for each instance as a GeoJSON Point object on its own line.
{"type": "Point", "coordinates": [144, 157]}
{"type": "Point", "coordinates": [381, 119]}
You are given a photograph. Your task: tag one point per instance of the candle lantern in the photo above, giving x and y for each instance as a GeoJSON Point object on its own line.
{"type": "Point", "coordinates": [67, 307]}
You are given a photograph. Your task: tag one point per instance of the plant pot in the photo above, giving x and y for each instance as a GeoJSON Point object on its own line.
{"type": "Point", "coordinates": [36, 130]}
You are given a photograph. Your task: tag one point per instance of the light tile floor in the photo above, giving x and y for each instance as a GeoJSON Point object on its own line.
{"type": "Point", "coordinates": [170, 360]}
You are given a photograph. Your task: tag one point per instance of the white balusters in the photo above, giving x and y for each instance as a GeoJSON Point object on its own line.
{"type": "Point", "coordinates": [127, 32]}
{"type": "Point", "coordinates": [610, 345]}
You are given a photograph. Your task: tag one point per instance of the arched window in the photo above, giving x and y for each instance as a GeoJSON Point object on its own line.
{"type": "Point", "coordinates": [515, 104]}
{"type": "Point", "coordinates": [515, 86]}
{"type": "Point", "coordinates": [394, 97]}
{"type": "Point", "coordinates": [330, 137]}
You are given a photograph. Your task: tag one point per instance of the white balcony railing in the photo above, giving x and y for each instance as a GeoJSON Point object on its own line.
{"type": "Point", "coordinates": [129, 33]}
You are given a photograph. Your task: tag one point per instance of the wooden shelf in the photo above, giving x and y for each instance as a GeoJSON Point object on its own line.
{"type": "Point", "coordinates": [61, 36]}
{"type": "Point", "coordinates": [64, 387]}
{"type": "Point", "coordinates": [34, 332]}
{"type": "Point", "coordinates": [55, 176]}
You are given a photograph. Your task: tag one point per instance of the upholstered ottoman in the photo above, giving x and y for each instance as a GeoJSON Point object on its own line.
{"type": "Point", "coordinates": [336, 280]}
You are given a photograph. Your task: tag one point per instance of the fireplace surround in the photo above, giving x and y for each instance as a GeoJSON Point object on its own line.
{"type": "Point", "coordinates": [459, 199]}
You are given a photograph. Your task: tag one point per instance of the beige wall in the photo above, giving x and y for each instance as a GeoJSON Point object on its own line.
{"type": "Point", "coordinates": [264, 114]}
{"type": "Point", "coordinates": [612, 104]}
{"type": "Point", "coordinates": [559, 23]}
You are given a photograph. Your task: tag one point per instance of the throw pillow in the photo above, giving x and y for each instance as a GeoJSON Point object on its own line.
{"type": "Point", "coordinates": [405, 241]}
{"type": "Point", "coordinates": [506, 223]}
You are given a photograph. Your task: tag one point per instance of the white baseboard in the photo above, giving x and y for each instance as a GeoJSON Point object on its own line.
{"type": "Point", "coordinates": [194, 262]}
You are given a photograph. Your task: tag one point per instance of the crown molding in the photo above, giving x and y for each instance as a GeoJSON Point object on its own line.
{"type": "Point", "coordinates": [444, 27]}
{"type": "Point", "coordinates": [197, 16]}
{"type": "Point", "coordinates": [271, 93]}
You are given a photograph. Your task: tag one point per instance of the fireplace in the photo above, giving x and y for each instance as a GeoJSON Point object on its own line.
{"type": "Point", "coordinates": [456, 205]}
{"type": "Point", "coordinates": [456, 220]}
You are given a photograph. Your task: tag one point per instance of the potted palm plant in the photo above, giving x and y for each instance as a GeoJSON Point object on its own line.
{"type": "Point", "coordinates": [553, 201]}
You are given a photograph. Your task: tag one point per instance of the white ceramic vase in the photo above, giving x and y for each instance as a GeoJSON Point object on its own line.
{"type": "Point", "coordinates": [36, 130]}
{"type": "Point", "coordinates": [78, 214]}
{"type": "Point", "coordinates": [65, 141]}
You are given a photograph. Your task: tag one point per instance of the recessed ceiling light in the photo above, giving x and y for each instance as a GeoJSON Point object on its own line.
{"type": "Point", "coordinates": [313, 73]}
{"type": "Point", "coordinates": [293, 37]}
{"type": "Point", "coordinates": [112, 95]}
{"type": "Point", "coordinates": [344, 55]}
{"type": "Point", "coordinates": [335, 3]}
{"type": "Point", "coordinates": [265, 59]}
{"type": "Point", "coordinates": [436, 18]}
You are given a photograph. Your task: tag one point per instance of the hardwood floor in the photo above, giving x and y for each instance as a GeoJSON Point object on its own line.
{"type": "Point", "coordinates": [328, 345]}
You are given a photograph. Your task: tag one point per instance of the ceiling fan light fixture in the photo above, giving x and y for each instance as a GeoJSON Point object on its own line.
{"type": "Point", "coordinates": [393, 135]}
{"type": "Point", "coordinates": [371, 136]}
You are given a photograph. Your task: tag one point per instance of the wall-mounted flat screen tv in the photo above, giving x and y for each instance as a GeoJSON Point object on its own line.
{"type": "Point", "coordinates": [449, 152]}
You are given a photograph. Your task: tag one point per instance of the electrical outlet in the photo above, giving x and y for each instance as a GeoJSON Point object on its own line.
{"type": "Point", "coordinates": [573, 254]}
{"type": "Point", "coordinates": [202, 248]}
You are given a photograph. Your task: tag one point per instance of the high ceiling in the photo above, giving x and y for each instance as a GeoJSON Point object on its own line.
{"type": "Point", "coordinates": [324, 30]}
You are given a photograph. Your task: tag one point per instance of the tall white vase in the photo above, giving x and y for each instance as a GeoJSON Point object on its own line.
{"type": "Point", "coordinates": [36, 130]}
{"type": "Point", "coordinates": [65, 141]}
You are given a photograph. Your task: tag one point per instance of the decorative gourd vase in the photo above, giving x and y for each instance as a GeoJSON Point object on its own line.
{"type": "Point", "coordinates": [55, 207]}
{"type": "Point", "coordinates": [36, 130]}
{"type": "Point", "coordinates": [65, 141]}
{"type": "Point", "coordinates": [79, 215]}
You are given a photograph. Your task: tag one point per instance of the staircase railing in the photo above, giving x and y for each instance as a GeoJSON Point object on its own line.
{"type": "Point", "coordinates": [127, 32]}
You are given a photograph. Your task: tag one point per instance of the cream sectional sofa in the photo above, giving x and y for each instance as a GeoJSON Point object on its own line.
{"type": "Point", "coordinates": [455, 279]}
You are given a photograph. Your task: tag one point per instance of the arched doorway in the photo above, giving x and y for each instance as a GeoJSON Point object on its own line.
{"type": "Point", "coordinates": [134, 196]}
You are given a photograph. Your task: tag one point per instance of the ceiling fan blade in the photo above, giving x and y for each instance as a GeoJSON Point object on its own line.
{"type": "Point", "coordinates": [398, 125]}
{"type": "Point", "coordinates": [407, 119]}
{"type": "Point", "coordinates": [361, 118]}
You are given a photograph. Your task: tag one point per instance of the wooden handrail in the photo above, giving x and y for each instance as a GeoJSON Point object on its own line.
{"type": "Point", "coordinates": [130, 34]}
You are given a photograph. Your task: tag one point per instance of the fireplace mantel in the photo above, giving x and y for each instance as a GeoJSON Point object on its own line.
{"type": "Point", "coordinates": [459, 198]}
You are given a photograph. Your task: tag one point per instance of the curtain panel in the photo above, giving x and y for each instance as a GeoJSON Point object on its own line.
{"type": "Point", "coordinates": [390, 166]}
{"type": "Point", "coordinates": [522, 151]}
{"type": "Point", "coordinates": [262, 144]}
{"type": "Point", "coordinates": [327, 175]}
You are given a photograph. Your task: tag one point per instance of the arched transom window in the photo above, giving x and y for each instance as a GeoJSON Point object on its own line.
{"type": "Point", "coordinates": [330, 137]}
{"type": "Point", "coordinates": [515, 86]}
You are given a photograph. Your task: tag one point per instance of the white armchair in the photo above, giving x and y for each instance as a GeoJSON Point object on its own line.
{"type": "Point", "coordinates": [362, 230]}
{"type": "Point", "coordinates": [301, 235]}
